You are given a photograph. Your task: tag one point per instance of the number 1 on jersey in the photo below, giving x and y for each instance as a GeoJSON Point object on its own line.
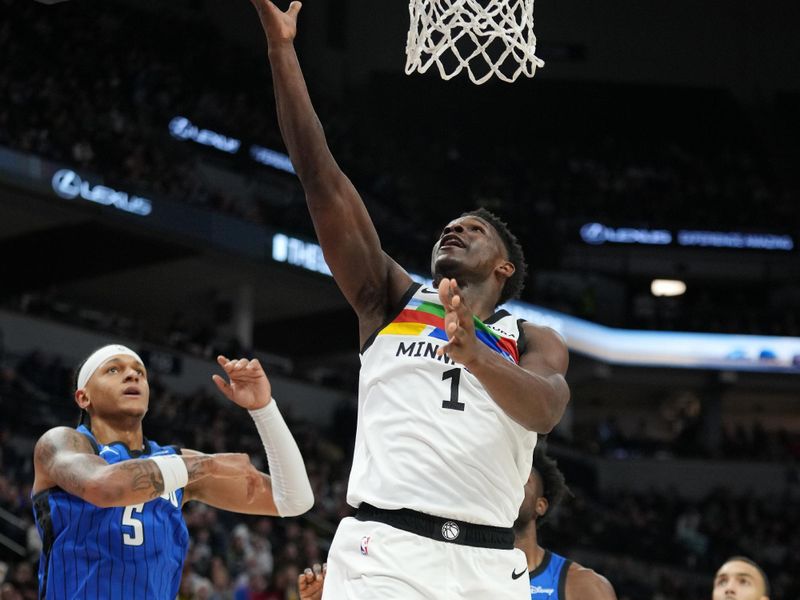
{"type": "Point", "coordinates": [455, 377]}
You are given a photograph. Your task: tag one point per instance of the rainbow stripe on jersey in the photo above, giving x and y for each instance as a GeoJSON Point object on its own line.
{"type": "Point", "coordinates": [426, 319]}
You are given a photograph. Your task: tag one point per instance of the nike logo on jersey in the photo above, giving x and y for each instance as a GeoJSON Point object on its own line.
{"type": "Point", "coordinates": [426, 290]}
{"type": "Point", "coordinates": [515, 575]}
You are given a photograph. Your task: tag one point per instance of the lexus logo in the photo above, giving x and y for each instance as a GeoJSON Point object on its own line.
{"type": "Point", "coordinates": [68, 184]}
{"type": "Point", "coordinates": [593, 233]}
{"type": "Point", "coordinates": [597, 233]}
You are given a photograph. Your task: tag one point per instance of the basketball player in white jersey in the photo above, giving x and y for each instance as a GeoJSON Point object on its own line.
{"type": "Point", "coordinates": [452, 392]}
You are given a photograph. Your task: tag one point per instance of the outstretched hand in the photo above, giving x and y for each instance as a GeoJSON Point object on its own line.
{"type": "Point", "coordinates": [248, 386]}
{"type": "Point", "coordinates": [280, 26]}
{"type": "Point", "coordinates": [462, 345]}
{"type": "Point", "coordinates": [310, 582]}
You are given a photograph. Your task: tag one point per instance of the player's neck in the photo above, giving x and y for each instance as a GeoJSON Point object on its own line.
{"type": "Point", "coordinates": [527, 541]}
{"type": "Point", "coordinates": [480, 295]}
{"type": "Point", "coordinates": [128, 431]}
{"type": "Point", "coordinates": [480, 298]}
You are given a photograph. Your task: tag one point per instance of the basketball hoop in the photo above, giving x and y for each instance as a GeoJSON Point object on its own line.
{"type": "Point", "coordinates": [485, 37]}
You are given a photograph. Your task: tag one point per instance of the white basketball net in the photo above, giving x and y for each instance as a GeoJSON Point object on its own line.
{"type": "Point", "coordinates": [496, 39]}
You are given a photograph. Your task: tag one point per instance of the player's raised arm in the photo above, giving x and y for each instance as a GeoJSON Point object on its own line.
{"type": "Point", "coordinates": [370, 280]}
{"type": "Point", "coordinates": [65, 458]}
{"type": "Point", "coordinates": [287, 492]}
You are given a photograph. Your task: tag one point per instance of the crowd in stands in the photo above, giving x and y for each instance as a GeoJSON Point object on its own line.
{"type": "Point", "coordinates": [627, 536]}
{"type": "Point", "coordinates": [688, 439]}
{"type": "Point", "coordinates": [101, 97]}
{"type": "Point", "coordinates": [106, 104]}
{"type": "Point", "coordinates": [199, 334]}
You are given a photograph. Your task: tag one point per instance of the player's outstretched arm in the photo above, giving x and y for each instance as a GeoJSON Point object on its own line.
{"type": "Point", "coordinates": [287, 492]}
{"type": "Point", "coordinates": [370, 280]}
{"type": "Point", "coordinates": [586, 584]}
{"type": "Point", "coordinates": [533, 393]}
{"type": "Point", "coordinates": [64, 458]}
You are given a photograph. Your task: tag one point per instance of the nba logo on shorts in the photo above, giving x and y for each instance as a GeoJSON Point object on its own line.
{"type": "Point", "coordinates": [364, 545]}
{"type": "Point", "coordinates": [450, 531]}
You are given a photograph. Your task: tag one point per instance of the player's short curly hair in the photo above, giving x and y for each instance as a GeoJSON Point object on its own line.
{"type": "Point", "coordinates": [554, 485]}
{"type": "Point", "coordinates": [514, 285]}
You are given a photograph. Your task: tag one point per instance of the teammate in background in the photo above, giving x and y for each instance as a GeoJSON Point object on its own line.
{"type": "Point", "coordinates": [107, 500]}
{"type": "Point", "coordinates": [452, 391]}
{"type": "Point", "coordinates": [552, 577]}
{"type": "Point", "coordinates": [739, 578]}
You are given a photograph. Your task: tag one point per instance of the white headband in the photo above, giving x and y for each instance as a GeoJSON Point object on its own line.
{"type": "Point", "coordinates": [99, 357]}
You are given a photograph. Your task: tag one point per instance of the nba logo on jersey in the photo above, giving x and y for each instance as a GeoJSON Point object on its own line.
{"type": "Point", "coordinates": [364, 545]}
{"type": "Point", "coordinates": [450, 531]}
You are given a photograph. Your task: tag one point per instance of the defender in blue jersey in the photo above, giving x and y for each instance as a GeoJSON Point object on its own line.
{"type": "Point", "coordinates": [552, 577]}
{"type": "Point", "coordinates": [107, 500]}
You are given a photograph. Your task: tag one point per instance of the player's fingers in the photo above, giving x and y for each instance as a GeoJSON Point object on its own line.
{"type": "Point", "coordinates": [267, 5]}
{"type": "Point", "coordinates": [451, 319]}
{"type": "Point", "coordinates": [463, 314]}
{"type": "Point", "coordinates": [317, 568]}
{"type": "Point", "coordinates": [226, 364]}
{"type": "Point", "coordinates": [223, 386]}
{"type": "Point", "coordinates": [307, 579]}
{"type": "Point", "coordinates": [444, 293]}
{"type": "Point", "coordinates": [294, 9]}
{"type": "Point", "coordinates": [253, 365]}
{"type": "Point", "coordinates": [240, 364]}
{"type": "Point", "coordinates": [451, 329]}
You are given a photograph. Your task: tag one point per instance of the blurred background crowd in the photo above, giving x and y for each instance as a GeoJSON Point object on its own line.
{"type": "Point", "coordinates": [99, 89]}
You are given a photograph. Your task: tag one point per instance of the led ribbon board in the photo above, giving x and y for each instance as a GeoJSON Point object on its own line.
{"type": "Point", "coordinates": [596, 234]}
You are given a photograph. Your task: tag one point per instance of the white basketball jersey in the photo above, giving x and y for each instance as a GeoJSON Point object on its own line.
{"type": "Point", "coordinates": [430, 438]}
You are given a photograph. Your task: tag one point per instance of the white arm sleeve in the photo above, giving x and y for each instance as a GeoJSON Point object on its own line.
{"type": "Point", "coordinates": [291, 489]}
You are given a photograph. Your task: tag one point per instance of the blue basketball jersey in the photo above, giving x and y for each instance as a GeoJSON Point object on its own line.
{"type": "Point", "coordinates": [549, 579]}
{"type": "Point", "coordinates": [111, 553]}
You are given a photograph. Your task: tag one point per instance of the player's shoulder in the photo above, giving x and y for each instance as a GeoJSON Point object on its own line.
{"type": "Point", "coordinates": [584, 583]}
{"type": "Point", "coordinates": [54, 442]}
{"type": "Point", "coordinates": [546, 342]}
{"type": "Point", "coordinates": [64, 438]}
{"type": "Point", "coordinates": [542, 334]}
